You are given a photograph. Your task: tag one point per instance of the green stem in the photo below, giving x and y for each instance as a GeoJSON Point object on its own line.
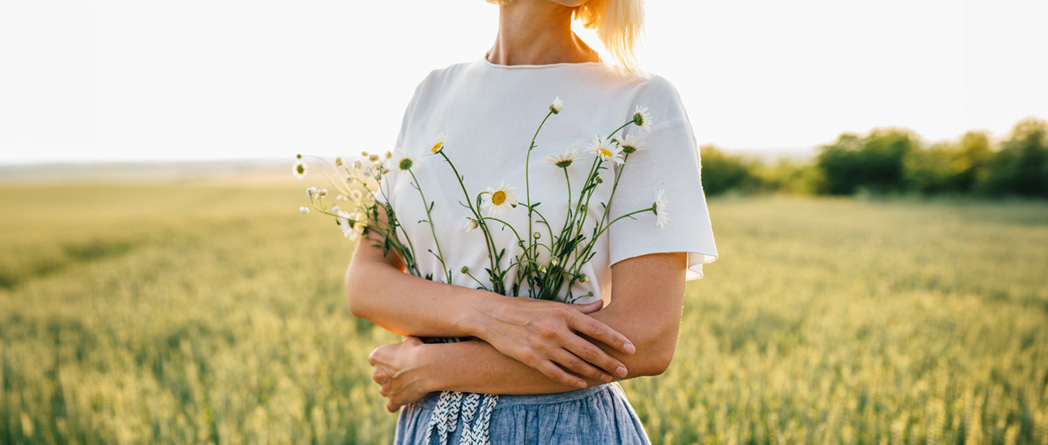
{"type": "Point", "coordinates": [489, 242]}
{"type": "Point", "coordinates": [432, 229]}
{"type": "Point", "coordinates": [527, 189]}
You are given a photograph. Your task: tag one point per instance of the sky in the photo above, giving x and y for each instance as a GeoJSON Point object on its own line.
{"type": "Point", "coordinates": [134, 80]}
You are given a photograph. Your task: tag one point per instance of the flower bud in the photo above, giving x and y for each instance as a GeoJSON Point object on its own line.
{"type": "Point", "coordinates": [537, 235]}
{"type": "Point", "coordinates": [303, 210]}
{"type": "Point", "coordinates": [464, 269]}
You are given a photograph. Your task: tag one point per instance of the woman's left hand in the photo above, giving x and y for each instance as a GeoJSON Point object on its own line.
{"type": "Point", "coordinates": [400, 376]}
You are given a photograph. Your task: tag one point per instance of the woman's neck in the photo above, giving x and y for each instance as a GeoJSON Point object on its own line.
{"type": "Point", "coordinates": [537, 32]}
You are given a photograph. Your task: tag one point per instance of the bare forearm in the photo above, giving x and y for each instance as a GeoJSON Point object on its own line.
{"type": "Point", "coordinates": [409, 305]}
{"type": "Point", "coordinates": [476, 366]}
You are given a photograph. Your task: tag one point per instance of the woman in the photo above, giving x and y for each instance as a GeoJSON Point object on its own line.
{"type": "Point", "coordinates": [535, 371]}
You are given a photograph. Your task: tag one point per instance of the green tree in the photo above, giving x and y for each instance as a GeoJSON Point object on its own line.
{"type": "Point", "coordinates": [874, 162]}
{"type": "Point", "coordinates": [722, 172]}
{"type": "Point", "coordinates": [1021, 167]}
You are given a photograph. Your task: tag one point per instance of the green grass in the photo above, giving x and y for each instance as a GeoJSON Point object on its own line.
{"type": "Point", "coordinates": [214, 313]}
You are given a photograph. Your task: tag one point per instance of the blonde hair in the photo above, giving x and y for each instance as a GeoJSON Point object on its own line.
{"type": "Point", "coordinates": [618, 24]}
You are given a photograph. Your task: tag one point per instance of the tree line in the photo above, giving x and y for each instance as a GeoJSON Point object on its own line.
{"type": "Point", "coordinates": [896, 161]}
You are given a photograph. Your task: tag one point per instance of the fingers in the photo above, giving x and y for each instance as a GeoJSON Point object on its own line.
{"type": "Point", "coordinates": [590, 307]}
{"type": "Point", "coordinates": [556, 374]}
{"type": "Point", "coordinates": [601, 332]}
{"type": "Point", "coordinates": [592, 355]}
{"type": "Point", "coordinates": [580, 367]}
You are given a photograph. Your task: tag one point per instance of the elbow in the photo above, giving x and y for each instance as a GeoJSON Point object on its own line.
{"type": "Point", "coordinates": [354, 294]}
{"type": "Point", "coordinates": [656, 361]}
{"type": "Point", "coordinates": [661, 362]}
{"type": "Point", "coordinates": [658, 352]}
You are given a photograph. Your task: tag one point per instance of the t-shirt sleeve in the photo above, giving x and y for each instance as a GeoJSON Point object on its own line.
{"type": "Point", "coordinates": [669, 161]}
{"type": "Point", "coordinates": [391, 177]}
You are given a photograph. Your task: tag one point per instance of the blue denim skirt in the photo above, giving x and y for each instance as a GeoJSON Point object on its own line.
{"type": "Point", "coordinates": [596, 415]}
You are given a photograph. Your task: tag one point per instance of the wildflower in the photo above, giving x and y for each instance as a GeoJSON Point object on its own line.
{"type": "Point", "coordinates": [659, 209]}
{"type": "Point", "coordinates": [402, 160]}
{"type": "Point", "coordinates": [300, 169]}
{"type": "Point", "coordinates": [554, 262]}
{"type": "Point", "coordinates": [321, 193]}
{"type": "Point", "coordinates": [303, 210]}
{"type": "Point", "coordinates": [563, 160]}
{"type": "Point", "coordinates": [311, 192]}
{"type": "Point", "coordinates": [500, 201]}
{"type": "Point", "coordinates": [471, 224]}
{"type": "Point", "coordinates": [357, 165]}
{"type": "Point", "coordinates": [556, 106]}
{"type": "Point", "coordinates": [642, 118]}
{"type": "Point", "coordinates": [439, 144]}
{"type": "Point", "coordinates": [345, 223]}
{"type": "Point", "coordinates": [537, 235]}
{"type": "Point", "coordinates": [373, 158]}
{"type": "Point", "coordinates": [605, 150]}
{"type": "Point", "coordinates": [464, 269]}
{"type": "Point", "coordinates": [630, 144]}
{"type": "Point", "coordinates": [339, 163]}
{"type": "Point", "coordinates": [357, 196]}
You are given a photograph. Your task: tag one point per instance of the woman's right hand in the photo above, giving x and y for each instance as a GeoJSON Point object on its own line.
{"type": "Point", "coordinates": [554, 338]}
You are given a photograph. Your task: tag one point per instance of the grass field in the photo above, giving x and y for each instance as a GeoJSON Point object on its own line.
{"type": "Point", "coordinates": [213, 312]}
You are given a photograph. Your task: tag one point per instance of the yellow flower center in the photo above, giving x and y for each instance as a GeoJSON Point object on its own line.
{"type": "Point", "coordinates": [437, 147]}
{"type": "Point", "coordinates": [498, 197]}
{"type": "Point", "coordinates": [604, 152]}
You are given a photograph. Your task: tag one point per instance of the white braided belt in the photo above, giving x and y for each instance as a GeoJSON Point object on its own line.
{"type": "Point", "coordinates": [469, 406]}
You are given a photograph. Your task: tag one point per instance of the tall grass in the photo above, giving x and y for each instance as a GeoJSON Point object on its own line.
{"type": "Point", "coordinates": [214, 313]}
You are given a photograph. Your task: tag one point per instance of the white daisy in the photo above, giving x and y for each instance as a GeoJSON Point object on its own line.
{"type": "Point", "coordinates": [471, 224]}
{"type": "Point", "coordinates": [311, 192]}
{"type": "Point", "coordinates": [642, 118]}
{"type": "Point", "coordinates": [300, 169]}
{"type": "Point", "coordinates": [662, 216]}
{"type": "Point", "coordinates": [438, 144]}
{"type": "Point", "coordinates": [630, 144]}
{"type": "Point", "coordinates": [343, 223]}
{"type": "Point", "coordinates": [605, 149]}
{"type": "Point", "coordinates": [556, 106]}
{"type": "Point", "coordinates": [563, 160]}
{"type": "Point", "coordinates": [400, 160]}
{"type": "Point", "coordinates": [500, 201]}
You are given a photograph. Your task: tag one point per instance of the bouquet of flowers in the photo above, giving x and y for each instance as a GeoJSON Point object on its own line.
{"type": "Point", "coordinates": [552, 252]}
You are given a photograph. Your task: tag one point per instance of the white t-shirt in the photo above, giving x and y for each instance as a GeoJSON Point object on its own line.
{"type": "Point", "coordinates": [489, 113]}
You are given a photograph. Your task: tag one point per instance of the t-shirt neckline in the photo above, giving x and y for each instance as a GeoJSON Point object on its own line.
{"type": "Point", "coordinates": [485, 61]}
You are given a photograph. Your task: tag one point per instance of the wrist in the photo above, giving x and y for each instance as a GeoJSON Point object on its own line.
{"type": "Point", "coordinates": [478, 308]}
{"type": "Point", "coordinates": [436, 379]}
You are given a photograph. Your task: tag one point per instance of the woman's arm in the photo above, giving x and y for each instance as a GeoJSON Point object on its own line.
{"type": "Point", "coordinates": [540, 334]}
{"type": "Point", "coordinates": [647, 292]}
